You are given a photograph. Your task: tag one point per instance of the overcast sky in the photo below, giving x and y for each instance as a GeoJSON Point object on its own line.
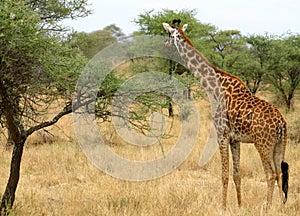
{"type": "Point", "coordinates": [248, 16]}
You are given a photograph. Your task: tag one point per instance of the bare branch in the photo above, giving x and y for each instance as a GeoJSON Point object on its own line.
{"type": "Point", "coordinates": [68, 109]}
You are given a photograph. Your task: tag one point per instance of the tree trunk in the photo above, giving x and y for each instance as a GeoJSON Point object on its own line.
{"type": "Point", "coordinates": [171, 70]}
{"type": "Point", "coordinates": [289, 101]}
{"type": "Point", "coordinates": [19, 136]}
{"type": "Point", "coordinates": [9, 141]}
{"type": "Point", "coordinates": [19, 140]}
{"type": "Point", "coordinates": [8, 197]}
{"type": "Point", "coordinates": [170, 109]}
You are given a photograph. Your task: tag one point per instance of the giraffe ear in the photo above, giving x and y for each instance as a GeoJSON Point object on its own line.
{"type": "Point", "coordinates": [184, 27]}
{"type": "Point", "coordinates": [168, 28]}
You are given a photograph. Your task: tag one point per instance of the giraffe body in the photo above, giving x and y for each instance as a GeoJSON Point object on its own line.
{"type": "Point", "coordinates": [238, 117]}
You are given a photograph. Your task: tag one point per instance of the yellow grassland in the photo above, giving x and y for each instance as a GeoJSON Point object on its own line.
{"type": "Point", "coordinates": [58, 179]}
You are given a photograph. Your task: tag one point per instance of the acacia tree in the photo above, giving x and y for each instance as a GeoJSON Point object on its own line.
{"type": "Point", "coordinates": [150, 23]}
{"type": "Point", "coordinates": [284, 67]}
{"type": "Point", "coordinates": [225, 48]}
{"type": "Point", "coordinates": [259, 51]}
{"type": "Point", "coordinates": [91, 43]}
{"type": "Point", "coordinates": [115, 30]}
{"type": "Point", "coordinates": [36, 68]}
{"type": "Point", "coordinates": [52, 12]}
{"type": "Point", "coordinates": [252, 63]}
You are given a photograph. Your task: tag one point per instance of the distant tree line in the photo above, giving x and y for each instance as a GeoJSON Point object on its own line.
{"type": "Point", "coordinates": [273, 60]}
{"type": "Point", "coordinates": [259, 60]}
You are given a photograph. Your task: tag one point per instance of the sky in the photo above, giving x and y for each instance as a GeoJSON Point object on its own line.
{"type": "Point", "coordinates": [248, 16]}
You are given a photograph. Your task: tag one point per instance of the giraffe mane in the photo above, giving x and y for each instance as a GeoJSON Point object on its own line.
{"type": "Point", "coordinates": [224, 73]}
{"type": "Point", "coordinates": [185, 37]}
{"type": "Point", "coordinates": [217, 70]}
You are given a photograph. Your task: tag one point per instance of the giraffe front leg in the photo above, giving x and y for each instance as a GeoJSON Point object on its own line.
{"type": "Point", "coordinates": [225, 170]}
{"type": "Point", "coordinates": [235, 150]}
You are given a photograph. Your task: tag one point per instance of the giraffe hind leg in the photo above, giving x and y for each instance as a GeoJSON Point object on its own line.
{"type": "Point", "coordinates": [235, 150]}
{"type": "Point", "coordinates": [277, 157]}
{"type": "Point", "coordinates": [282, 174]}
{"type": "Point", "coordinates": [271, 177]}
{"type": "Point", "coordinates": [269, 168]}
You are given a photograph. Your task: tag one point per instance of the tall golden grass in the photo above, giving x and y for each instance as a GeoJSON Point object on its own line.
{"type": "Point", "coordinates": [57, 179]}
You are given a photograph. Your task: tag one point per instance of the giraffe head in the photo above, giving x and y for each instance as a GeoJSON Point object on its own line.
{"type": "Point", "coordinates": [176, 33]}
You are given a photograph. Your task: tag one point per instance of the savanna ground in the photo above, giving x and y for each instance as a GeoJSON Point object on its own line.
{"type": "Point", "coordinates": [58, 179]}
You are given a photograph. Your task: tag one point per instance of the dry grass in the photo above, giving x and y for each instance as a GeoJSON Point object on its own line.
{"type": "Point", "coordinates": [57, 179]}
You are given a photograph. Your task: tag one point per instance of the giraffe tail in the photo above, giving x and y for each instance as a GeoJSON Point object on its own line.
{"type": "Point", "coordinates": [284, 165]}
{"type": "Point", "coordinates": [285, 179]}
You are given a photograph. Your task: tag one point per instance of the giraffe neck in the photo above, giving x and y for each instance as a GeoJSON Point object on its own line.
{"type": "Point", "coordinates": [201, 69]}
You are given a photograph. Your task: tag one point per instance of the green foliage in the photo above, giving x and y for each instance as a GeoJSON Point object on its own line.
{"type": "Point", "coordinates": [284, 67]}
{"type": "Point", "coordinates": [150, 23]}
{"type": "Point", "coordinates": [21, 49]}
{"type": "Point", "coordinates": [253, 61]}
{"type": "Point", "coordinates": [115, 30]}
{"type": "Point", "coordinates": [18, 33]}
{"type": "Point", "coordinates": [51, 12]}
{"type": "Point", "coordinates": [36, 66]}
{"type": "Point", "coordinates": [91, 43]}
{"type": "Point", "coordinates": [256, 59]}
{"type": "Point", "coordinates": [225, 48]}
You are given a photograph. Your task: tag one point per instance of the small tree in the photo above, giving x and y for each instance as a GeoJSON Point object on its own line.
{"type": "Point", "coordinates": [253, 64]}
{"type": "Point", "coordinates": [284, 67]}
{"type": "Point", "coordinates": [91, 43]}
{"type": "Point", "coordinates": [150, 23]}
{"type": "Point", "coordinates": [36, 68]}
{"type": "Point", "coordinates": [115, 30]}
{"type": "Point", "coordinates": [225, 46]}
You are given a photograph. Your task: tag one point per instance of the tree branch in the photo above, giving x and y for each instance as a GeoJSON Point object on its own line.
{"type": "Point", "coordinates": [68, 109]}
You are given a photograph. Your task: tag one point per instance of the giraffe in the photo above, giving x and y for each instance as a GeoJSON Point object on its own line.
{"type": "Point", "coordinates": [238, 116]}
